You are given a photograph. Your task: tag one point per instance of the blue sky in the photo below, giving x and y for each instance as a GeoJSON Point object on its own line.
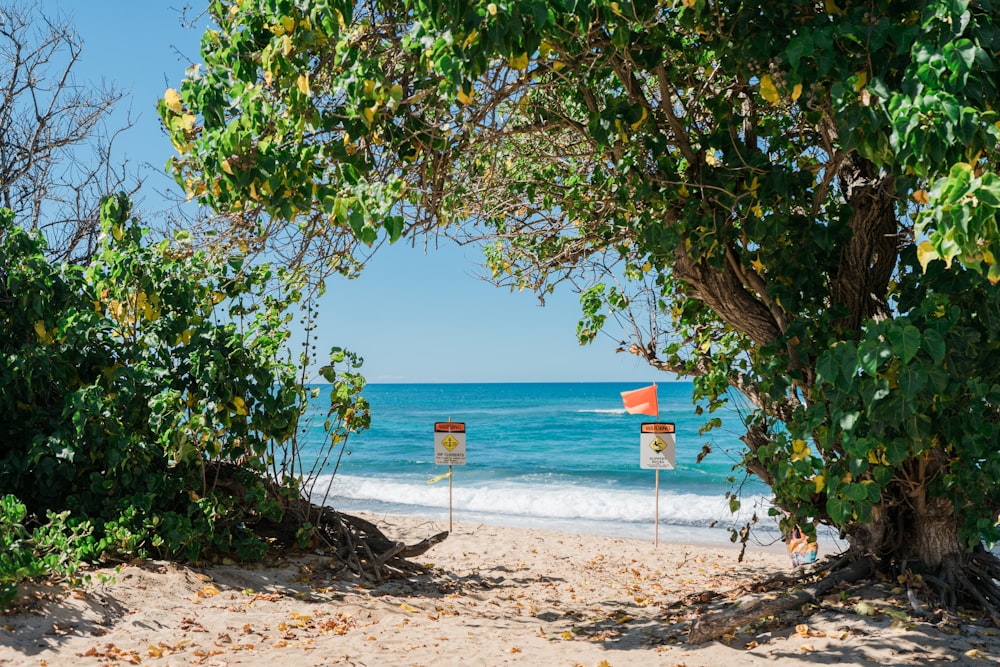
{"type": "Point", "coordinates": [413, 316]}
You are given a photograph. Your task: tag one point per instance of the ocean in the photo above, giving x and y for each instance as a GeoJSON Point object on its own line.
{"type": "Point", "coordinates": [560, 456]}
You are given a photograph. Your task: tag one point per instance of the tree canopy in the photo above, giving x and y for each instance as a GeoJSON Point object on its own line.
{"type": "Point", "coordinates": [806, 192]}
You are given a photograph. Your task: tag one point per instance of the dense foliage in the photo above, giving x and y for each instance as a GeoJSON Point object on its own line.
{"type": "Point", "coordinates": [805, 192]}
{"type": "Point", "coordinates": [128, 385]}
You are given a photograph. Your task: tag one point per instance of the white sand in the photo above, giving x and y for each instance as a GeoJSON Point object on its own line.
{"type": "Point", "coordinates": [496, 596]}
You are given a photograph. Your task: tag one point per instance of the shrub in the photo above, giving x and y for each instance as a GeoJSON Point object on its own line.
{"type": "Point", "coordinates": [127, 385]}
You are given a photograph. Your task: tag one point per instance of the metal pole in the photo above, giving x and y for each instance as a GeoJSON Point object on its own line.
{"type": "Point", "coordinates": [656, 531]}
{"type": "Point", "coordinates": [451, 478]}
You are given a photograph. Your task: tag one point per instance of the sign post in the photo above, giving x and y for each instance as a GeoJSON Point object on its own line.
{"type": "Point", "coordinates": [449, 449]}
{"type": "Point", "coordinates": [657, 445]}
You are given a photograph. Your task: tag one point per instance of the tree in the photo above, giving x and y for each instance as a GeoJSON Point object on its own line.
{"type": "Point", "coordinates": [54, 143]}
{"type": "Point", "coordinates": [810, 188]}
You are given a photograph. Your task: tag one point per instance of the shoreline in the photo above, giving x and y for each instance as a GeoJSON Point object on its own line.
{"type": "Point", "coordinates": [495, 595]}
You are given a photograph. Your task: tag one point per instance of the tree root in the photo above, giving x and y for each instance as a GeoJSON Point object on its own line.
{"type": "Point", "coordinates": [973, 577]}
{"type": "Point", "coordinates": [358, 547]}
{"type": "Point", "coordinates": [363, 550]}
{"type": "Point", "coordinates": [713, 626]}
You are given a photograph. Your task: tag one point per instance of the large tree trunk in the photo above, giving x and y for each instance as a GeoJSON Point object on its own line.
{"type": "Point", "coordinates": [931, 536]}
{"type": "Point", "coordinates": [919, 532]}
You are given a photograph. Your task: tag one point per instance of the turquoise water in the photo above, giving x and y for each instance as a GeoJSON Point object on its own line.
{"type": "Point", "coordinates": [556, 455]}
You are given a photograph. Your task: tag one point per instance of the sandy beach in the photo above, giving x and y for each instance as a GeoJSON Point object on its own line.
{"type": "Point", "coordinates": [493, 596]}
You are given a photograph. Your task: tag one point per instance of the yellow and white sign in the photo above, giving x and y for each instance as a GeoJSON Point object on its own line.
{"type": "Point", "coordinates": [657, 444]}
{"type": "Point", "coordinates": [449, 443]}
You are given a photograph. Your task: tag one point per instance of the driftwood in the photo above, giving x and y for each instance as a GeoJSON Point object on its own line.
{"type": "Point", "coordinates": [357, 546]}
{"type": "Point", "coordinates": [714, 626]}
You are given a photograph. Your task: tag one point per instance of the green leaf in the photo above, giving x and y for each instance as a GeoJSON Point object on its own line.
{"type": "Point", "coordinates": [934, 344]}
{"type": "Point", "coordinates": [838, 509]}
{"type": "Point", "coordinates": [871, 353]}
{"type": "Point", "coordinates": [905, 341]}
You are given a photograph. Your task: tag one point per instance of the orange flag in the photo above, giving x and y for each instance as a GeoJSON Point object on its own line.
{"type": "Point", "coordinates": [641, 401]}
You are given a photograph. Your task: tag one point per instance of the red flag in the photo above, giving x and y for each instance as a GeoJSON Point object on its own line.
{"type": "Point", "coordinates": [641, 401]}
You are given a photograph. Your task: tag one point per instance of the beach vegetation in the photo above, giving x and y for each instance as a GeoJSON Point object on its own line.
{"type": "Point", "coordinates": [148, 404]}
{"type": "Point", "coordinates": [152, 403]}
{"type": "Point", "coordinates": [794, 202]}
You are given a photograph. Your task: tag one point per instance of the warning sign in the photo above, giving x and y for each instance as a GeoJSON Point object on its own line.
{"type": "Point", "coordinates": [657, 442]}
{"type": "Point", "coordinates": [449, 443]}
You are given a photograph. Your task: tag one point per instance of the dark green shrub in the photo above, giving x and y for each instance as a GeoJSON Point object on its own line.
{"type": "Point", "coordinates": [127, 385]}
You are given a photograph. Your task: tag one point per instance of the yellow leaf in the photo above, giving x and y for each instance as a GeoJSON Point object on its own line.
{"type": "Point", "coordinates": [409, 608]}
{"type": "Point", "coordinates": [208, 591]}
{"type": "Point", "coordinates": [43, 335]}
{"type": "Point", "coordinates": [768, 91]}
{"type": "Point", "coordinates": [862, 80]}
{"type": "Point", "coordinates": [757, 265]}
{"type": "Point", "coordinates": [820, 483]}
{"type": "Point", "coordinates": [800, 450]}
{"type": "Point", "coordinates": [796, 91]}
{"type": "Point", "coordinates": [711, 160]}
{"type": "Point", "coordinates": [241, 409]}
{"type": "Point", "coordinates": [519, 62]}
{"type": "Point", "coordinates": [187, 121]}
{"type": "Point", "coordinates": [369, 88]}
{"type": "Point", "coordinates": [172, 100]}
{"type": "Point", "coordinates": [302, 83]}
{"type": "Point", "coordinates": [465, 99]}
{"type": "Point", "coordinates": [567, 635]}
{"type": "Point", "coordinates": [471, 38]}
{"type": "Point", "coordinates": [492, 9]}
{"type": "Point", "coordinates": [925, 254]}
{"type": "Point", "coordinates": [288, 23]}
{"type": "Point", "coordinates": [226, 167]}
{"type": "Point", "coordinates": [369, 114]}
{"type": "Point", "coordinates": [642, 119]}
{"type": "Point", "coordinates": [920, 196]}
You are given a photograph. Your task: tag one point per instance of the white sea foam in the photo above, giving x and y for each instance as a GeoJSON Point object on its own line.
{"type": "Point", "coordinates": [559, 502]}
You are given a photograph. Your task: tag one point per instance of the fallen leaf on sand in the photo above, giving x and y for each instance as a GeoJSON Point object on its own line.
{"type": "Point", "coordinates": [864, 609]}
{"type": "Point", "coordinates": [208, 591]}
